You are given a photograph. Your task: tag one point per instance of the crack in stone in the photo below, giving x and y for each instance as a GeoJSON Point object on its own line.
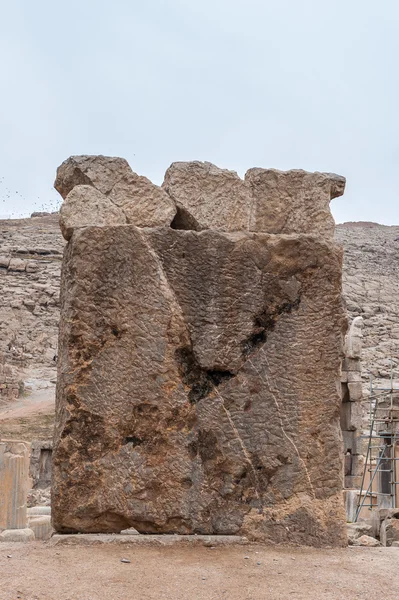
{"type": "Point", "coordinates": [200, 381]}
{"type": "Point", "coordinates": [279, 413]}
{"type": "Point", "coordinates": [266, 321]}
{"type": "Point", "coordinates": [244, 450]}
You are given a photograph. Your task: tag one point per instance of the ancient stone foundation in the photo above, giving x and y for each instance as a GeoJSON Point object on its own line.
{"type": "Point", "coordinates": [199, 354]}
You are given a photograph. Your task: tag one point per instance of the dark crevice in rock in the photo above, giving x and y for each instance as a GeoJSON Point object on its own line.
{"type": "Point", "coordinates": [132, 439]}
{"type": "Point", "coordinates": [265, 322]}
{"type": "Point", "coordinates": [201, 381]}
{"type": "Point", "coordinates": [184, 220]}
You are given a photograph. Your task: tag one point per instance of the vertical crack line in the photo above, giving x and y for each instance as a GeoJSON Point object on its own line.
{"type": "Point", "coordinates": [244, 450]}
{"type": "Point", "coordinates": [279, 414]}
{"type": "Point", "coordinates": [251, 209]}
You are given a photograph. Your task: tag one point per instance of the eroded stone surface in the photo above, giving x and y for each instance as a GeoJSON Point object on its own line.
{"type": "Point", "coordinates": [209, 197]}
{"type": "Point", "coordinates": [102, 190]}
{"type": "Point", "coordinates": [85, 206]}
{"type": "Point", "coordinates": [197, 388]}
{"type": "Point", "coordinates": [101, 172]}
{"type": "Point", "coordinates": [17, 535]}
{"type": "Point", "coordinates": [14, 470]}
{"type": "Point", "coordinates": [293, 201]}
{"type": "Point", "coordinates": [143, 203]}
{"type": "Point", "coordinates": [267, 200]}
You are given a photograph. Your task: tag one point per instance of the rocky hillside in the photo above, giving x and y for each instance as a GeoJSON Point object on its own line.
{"type": "Point", "coordinates": [30, 261]}
{"type": "Point", "coordinates": [30, 265]}
{"type": "Point", "coordinates": [371, 290]}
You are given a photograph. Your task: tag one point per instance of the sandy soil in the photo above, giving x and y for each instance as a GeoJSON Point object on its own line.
{"type": "Point", "coordinates": [30, 417]}
{"type": "Point", "coordinates": [36, 571]}
{"type": "Point", "coordinates": [39, 402]}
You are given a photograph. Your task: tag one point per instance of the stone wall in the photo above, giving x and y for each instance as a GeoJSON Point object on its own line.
{"type": "Point", "coordinates": [200, 349]}
{"type": "Point", "coordinates": [371, 290]}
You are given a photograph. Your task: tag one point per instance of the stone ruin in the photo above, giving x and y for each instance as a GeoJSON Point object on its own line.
{"type": "Point", "coordinates": [352, 416]}
{"type": "Point", "coordinates": [10, 387]}
{"type": "Point", "coordinates": [200, 349]}
{"type": "Point", "coordinates": [14, 469]}
{"type": "Point", "coordinates": [21, 466]}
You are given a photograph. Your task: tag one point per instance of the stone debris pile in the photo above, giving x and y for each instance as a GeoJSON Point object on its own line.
{"type": "Point", "coordinates": [199, 357]}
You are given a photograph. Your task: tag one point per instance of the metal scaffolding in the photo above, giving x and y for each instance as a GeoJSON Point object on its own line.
{"type": "Point", "coordinates": [379, 479]}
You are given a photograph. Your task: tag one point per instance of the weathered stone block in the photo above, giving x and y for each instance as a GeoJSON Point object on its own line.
{"type": "Point", "coordinates": [101, 172]}
{"type": "Point", "coordinates": [17, 535]}
{"type": "Point", "coordinates": [102, 190]}
{"type": "Point", "coordinates": [4, 262]}
{"type": "Point", "coordinates": [40, 464]}
{"type": "Point", "coordinates": [389, 532]}
{"type": "Point", "coordinates": [351, 364]}
{"type": "Point", "coordinates": [267, 200]}
{"type": "Point", "coordinates": [352, 415]}
{"type": "Point", "coordinates": [350, 441]}
{"type": "Point", "coordinates": [14, 468]}
{"type": "Point", "coordinates": [293, 201]}
{"type": "Point", "coordinates": [41, 526]}
{"type": "Point", "coordinates": [366, 540]}
{"type": "Point", "coordinates": [17, 264]}
{"type": "Point", "coordinates": [355, 390]}
{"type": "Point", "coordinates": [353, 482]}
{"type": "Point", "coordinates": [354, 339]}
{"type": "Point", "coordinates": [85, 206]}
{"type": "Point", "coordinates": [197, 385]}
{"type": "Point", "coordinates": [354, 377]}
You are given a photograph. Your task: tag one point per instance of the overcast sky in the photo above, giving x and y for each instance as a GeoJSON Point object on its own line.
{"type": "Point", "coordinates": [268, 83]}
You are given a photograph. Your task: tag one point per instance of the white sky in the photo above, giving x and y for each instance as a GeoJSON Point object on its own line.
{"type": "Point", "coordinates": [269, 83]}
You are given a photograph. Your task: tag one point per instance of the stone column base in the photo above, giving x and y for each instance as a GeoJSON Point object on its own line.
{"type": "Point", "coordinates": [17, 535]}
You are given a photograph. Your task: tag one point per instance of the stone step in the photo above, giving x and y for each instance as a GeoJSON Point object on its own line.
{"type": "Point", "coordinates": [92, 539]}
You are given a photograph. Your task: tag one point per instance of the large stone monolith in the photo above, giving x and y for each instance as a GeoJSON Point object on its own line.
{"type": "Point", "coordinates": [198, 380]}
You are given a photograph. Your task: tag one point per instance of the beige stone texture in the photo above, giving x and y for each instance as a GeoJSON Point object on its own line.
{"type": "Point", "coordinates": [143, 203]}
{"type": "Point", "coordinates": [101, 172]}
{"type": "Point", "coordinates": [366, 540]}
{"type": "Point", "coordinates": [293, 201]}
{"type": "Point", "coordinates": [17, 264]}
{"type": "Point", "coordinates": [101, 190]}
{"type": "Point", "coordinates": [41, 526]}
{"type": "Point", "coordinates": [85, 206]}
{"type": "Point", "coordinates": [354, 338]}
{"type": "Point", "coordinates": [197, 385]}
{"type": "Point", "coordinates": [211, 198]}
{"type": "Point", "coordinates": [17, 535]}
{"type": "Point", "coordinates": [371, 291]}
{"type": "Point", "coordinates": [355, 390]}
{"type": "Point", "coordinates": [267, 200]}
{"type": "Point", "coordinates": [389, 531]}
{"type": "Point", "coordinates": [14, 471]}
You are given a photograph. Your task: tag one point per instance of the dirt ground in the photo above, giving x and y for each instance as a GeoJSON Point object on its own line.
{"type": "Point", "coordinates": [30, 417]}
{"type": "Point", "coordinates": [36, 571]}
